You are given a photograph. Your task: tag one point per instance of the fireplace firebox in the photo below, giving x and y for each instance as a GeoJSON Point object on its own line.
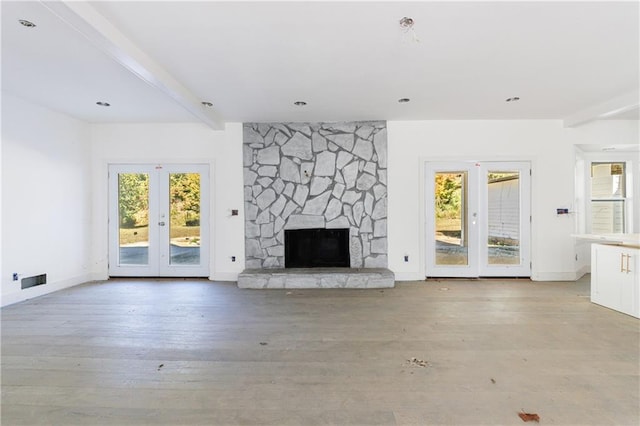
{"type": "Point", "coordinates": [316, 248]}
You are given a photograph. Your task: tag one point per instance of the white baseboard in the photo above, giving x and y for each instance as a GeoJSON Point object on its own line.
{"type": "Point", "coordinates": [99, 276]}
{"type": "Point", "coordinates": [408, 276]}
{"type": "Point", "coordinates": [586, 269]}
{"type": "Point", "coordinates": [555, 276]}
{"type": "Point", "coordinates": [225, 276]}
{"type": "Point", "coordinates": [41, 290]}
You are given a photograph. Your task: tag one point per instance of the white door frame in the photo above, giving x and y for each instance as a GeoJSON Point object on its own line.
{"type": "Point", "coordinates": [477, 221]}
{"type": "Point", "coordinates": [159, 264]}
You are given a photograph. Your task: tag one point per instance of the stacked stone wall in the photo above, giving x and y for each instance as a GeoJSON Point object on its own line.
{"type": "Point", "coordinates": [315, 175]}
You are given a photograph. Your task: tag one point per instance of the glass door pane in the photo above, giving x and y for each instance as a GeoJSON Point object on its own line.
{"type": "Point", "coordinates": [133, 218]}
{"type": "Point", "coordinates": [503, 216]}
{"type": "Point", "coordinates": [450, 218]}
{"type": "Point", "coordinates": [505, 219]}
{"type": "Point", "coordinates": [184, 223]}
{"type": "Point", "coordinates": [451, 222]}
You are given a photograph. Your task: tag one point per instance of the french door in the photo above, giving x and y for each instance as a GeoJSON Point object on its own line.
{"type": "Point", "coordinates": [478, 219]}
{"type": "Point", "coordinates": [159, 220]}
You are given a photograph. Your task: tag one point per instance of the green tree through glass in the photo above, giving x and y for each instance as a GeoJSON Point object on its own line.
{"type": "Point", "coordinates": [133, 202]}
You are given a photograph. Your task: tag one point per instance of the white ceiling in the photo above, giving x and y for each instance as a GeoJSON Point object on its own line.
{"type": "Point", "coordinates": [347, 60]}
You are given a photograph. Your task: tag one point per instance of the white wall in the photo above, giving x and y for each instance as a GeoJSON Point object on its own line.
{"type": "Point", "coordinates": [46, 211]}
{"type": "Point", "coordinates": [545, 143]}
{"type": "Point", "coordinates": [590, 140]}
{"type": "Point", "coordinates": [54, 187]}
{"type": "Point", "coordinates": [1, 192]}
{"type": "Point", "coordinates": [176, 143]}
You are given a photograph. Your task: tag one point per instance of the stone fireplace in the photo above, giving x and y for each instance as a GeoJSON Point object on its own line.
{"type": "Point", "coordinates": [304, 176]}
{"type": "Point", "coordinates": [324, 175]}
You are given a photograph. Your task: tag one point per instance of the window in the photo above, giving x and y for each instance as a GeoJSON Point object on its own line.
{"type": "Point", "coordinates": [608, 197]}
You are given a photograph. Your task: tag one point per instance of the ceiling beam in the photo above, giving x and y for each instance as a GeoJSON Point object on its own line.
{"type": "Point", "coordinates": [106, 37]}
{"type": "Point", "coordinates": [612, 107]}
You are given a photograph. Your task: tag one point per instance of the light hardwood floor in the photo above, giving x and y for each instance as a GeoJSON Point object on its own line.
{"type": "Point", "coordinates": [193, 352]}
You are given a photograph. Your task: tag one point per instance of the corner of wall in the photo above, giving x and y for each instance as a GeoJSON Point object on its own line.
{"type": "Point", "coordinates": [45, 162]}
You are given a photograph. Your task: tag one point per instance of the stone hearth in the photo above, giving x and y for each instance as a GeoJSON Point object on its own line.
{"type": "Point", "coordinates": [310, 278]}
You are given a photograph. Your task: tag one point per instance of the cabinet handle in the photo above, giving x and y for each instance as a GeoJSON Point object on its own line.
{"type": "Point", "coordinates": [628, 257]}
{"type": "Point", "coordinates": [622, 263]}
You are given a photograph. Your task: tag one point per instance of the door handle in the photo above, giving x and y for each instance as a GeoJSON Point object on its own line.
{"type": "Point", "coordinates": [628, 257]}
{"type": "Point", "coordinates": [622, 263]}
{"type": "Point", "coordinates": [161, 223]}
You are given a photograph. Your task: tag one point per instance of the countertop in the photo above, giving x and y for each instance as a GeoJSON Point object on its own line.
{"type": "Point", "coordinates": [624, 239]}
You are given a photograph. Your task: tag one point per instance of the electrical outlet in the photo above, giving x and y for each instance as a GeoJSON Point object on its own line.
{"type": "Point", "coordinates": [406, 258]}
{"type": "Point", "coordinates": [15, 276]}
{"type": "Point", "coordinates": [233, 258]}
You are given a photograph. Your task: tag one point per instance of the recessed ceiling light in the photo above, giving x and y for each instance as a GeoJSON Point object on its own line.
{"type": "Point", "coordinates": [514, 99]}
{"type": "Point", "coordinates": [104, 104]}
{"type": "Point", "coordinates": [300, 103]}
{"type": "Point", "coordinates": [26, 23]}
{"type": "Point", "coordinates": [404, 100]}
{"type": "Point", "coordinates": [207, 104]}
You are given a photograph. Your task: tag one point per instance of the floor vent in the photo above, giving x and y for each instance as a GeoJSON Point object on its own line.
{"type": "Point", "coordinates": [34, 281]}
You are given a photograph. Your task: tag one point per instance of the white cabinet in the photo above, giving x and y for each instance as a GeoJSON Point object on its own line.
{"type": "Point", "coordinates": [615, 277]}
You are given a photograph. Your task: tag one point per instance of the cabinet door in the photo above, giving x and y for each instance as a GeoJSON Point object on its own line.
{"type": "Point", "coordinates": [615, 280]}
{"type": "Point", "coordinates": [606, 276]}
{"type": "Point", "coordinates": [629, 283]}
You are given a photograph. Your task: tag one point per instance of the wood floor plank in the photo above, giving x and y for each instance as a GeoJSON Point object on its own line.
{"type": "Point", "coordinates": [194, 352]}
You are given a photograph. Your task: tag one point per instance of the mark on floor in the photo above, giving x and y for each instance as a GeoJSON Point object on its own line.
{"type": "Point", "coordinates": [529, 417]}
{"type": "Point", "coordinates": [418, 362]}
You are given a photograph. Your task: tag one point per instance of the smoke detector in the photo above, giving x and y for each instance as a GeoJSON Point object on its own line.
{"type": "Point", "coordinates": [406, 22]}
{"type": "Point", "coordinates": [408, 33]}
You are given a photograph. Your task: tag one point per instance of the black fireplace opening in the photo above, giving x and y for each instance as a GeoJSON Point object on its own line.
{"type": "Point", "coordinates": [316, 248]}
